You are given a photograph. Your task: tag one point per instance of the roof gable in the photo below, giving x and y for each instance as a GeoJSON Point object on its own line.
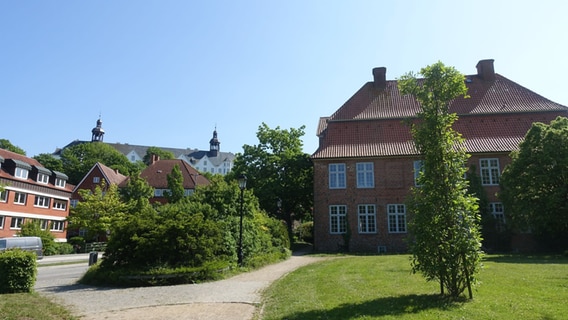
{"type": "Point", "coordinates": [156, 174]}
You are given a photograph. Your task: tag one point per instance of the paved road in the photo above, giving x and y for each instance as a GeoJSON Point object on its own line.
{"type": "Point", "coordinates": [236, 298]}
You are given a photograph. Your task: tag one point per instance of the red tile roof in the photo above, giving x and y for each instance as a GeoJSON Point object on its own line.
{"type": "Point", "coordinates": [495, 118]}
{"type": "Point", "coordinates": [156, 174]}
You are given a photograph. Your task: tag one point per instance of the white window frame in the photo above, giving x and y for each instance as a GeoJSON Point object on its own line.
{"type": "Point", "coordinates": [337, 176]}
{"type": "Point", "coordinates": [20, 198]}
{"type": "Point", "coordinates": [396, 217]}
{"type": "Point", "coordinates": [59, 204]}
{"type": "Point", "coordinates": [4, 196]}
{"type": "Point", "coordinates": [490, 173]}
{"type": "Point", "coordinates": [21, 173]}
{"type": "Point", "coordinates": [337, 219]}
{"type": "Point", "coordinates": [60, 182]}
{"type": "Point", "coordinates": [365, 175]}
{"type": "Point", "coordinates": [57, 225]}
{"type": "Point", "coordinates": [367, 217]}
{"type": "Point", "coordinates": [498, 212]}
{"type": "Point", "coordinates": [16, 223]}
{"type": "Point", "coordinates": [2, 219]}
{"type": "Point", "coordinates": [96, 179]}
{"type": "Point", "coordinates": [42, 178]}
{"type": "Point", "coordinates": [41, 201]}
{"type": "Point", "coordinates": [418, 168]}
{"type": "Point", "coordinates": [43, 224]}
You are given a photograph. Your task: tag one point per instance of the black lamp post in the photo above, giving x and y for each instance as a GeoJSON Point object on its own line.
{"type": "Point", "coordinates": [242, 186]}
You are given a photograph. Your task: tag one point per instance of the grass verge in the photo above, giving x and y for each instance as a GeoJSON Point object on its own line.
{"type": "Point", "coordinates": [383, 287]}
{"type": "Point", "coordinates": [31, 306]}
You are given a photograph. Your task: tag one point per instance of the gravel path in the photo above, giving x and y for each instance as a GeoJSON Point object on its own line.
{"type": "Point", "coordinates": [234, 298]}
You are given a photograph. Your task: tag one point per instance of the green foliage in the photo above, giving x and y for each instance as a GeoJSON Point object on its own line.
{"type": "Point", "coordinates": [32, 228]}
{"type": "Point", "coordinates": [50, 162]}
{"type": "Point", "coordinates": [18, 269]}
{"type": "Point", "coordinates": [164, 155]}
{"type": "Point", "coordinates": [7, 145]}
{"type": "Point", "coordinates": [99, 210]}
{"type": "Point", "coordinates": [445, 237]}
{"type": "Point", "coordinates": [64, 248]}
{"type": "Point", "coordinates": [137, 193]}
{"type": "Point", "coordinates": [533, 187]}
{"type": "Point", "coordinates": [277, 169]}
{"type": "Point", "coordinates": [305, 232]}
{"type": "Point", "coordinates": [79, 159]}
{"type": "Point", "coordinates": [175, 190]}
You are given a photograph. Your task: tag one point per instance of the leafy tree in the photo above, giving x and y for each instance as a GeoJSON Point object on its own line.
{"type": "Point", "coordinates": [137, 193]}
{"type": "Point", "coordinates": [446, 242]}
{"type": "Point", "coordinates": [278, 171]}
{"type": "Point", "coordinates": [175, 190]}
{"type": "Point", "coordinates": [50, 162]}
{"type": "Point", "coordinates": [98, 211]}
{"type": "Point", "coordinates": [7, 145]}
{"type": "Point", "coordinates": [79, 159]}
{"type": "Point", "coordinates": [164, 155]}
{"type": "Point", "coordinates": [533, 187]}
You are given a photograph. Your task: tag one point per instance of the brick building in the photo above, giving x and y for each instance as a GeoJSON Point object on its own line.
{"type": "Point", "coordinates": [366, 161]}
{"type": "Point", "coordinates": [32, 192]}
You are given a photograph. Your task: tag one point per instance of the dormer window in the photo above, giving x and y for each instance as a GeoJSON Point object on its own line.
{"type": "Point", "coordinates": [60, 179]}
{"type": "Point", "coordinates": [21, 173]}
{"type": "Point", "coordinates": [60, 182]}
{"type": "Point", "coordinates": [42, 178]}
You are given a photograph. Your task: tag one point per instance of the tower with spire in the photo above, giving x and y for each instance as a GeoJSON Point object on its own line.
{"type": "Point", "coordinates": [98, 132]}
{"type": "Point", "coordinates": [214, 144]}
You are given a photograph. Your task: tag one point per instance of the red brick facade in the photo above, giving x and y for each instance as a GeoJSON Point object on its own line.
{"type": "Point", "coordinates": [370, 130]}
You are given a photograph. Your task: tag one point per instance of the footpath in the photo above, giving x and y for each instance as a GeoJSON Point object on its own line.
{"type": "Point", "coordinates": [236, 298]}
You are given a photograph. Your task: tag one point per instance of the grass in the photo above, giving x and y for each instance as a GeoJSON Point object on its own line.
{"type": "Point", "coordinates": [31, 306]}
{"type": "Point", "coordinates": [383, 287]}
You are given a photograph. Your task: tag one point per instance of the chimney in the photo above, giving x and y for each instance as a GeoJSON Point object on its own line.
{"type": "Point", "coordinates": [155, 158]}
{"type": "Point", "coordinates": [485, 69]}
{"type": "Point", "coordinates": [380, 77]}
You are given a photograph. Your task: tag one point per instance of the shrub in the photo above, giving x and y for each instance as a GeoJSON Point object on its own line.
{"type": "Point", "coordinates": [65, 248]}
{"type": "Point", "coordinates": [33, 229]}
{"type": "Point", "coordinates": [18, 270]}
{"type": "Point", "coordinates": [306, 232]}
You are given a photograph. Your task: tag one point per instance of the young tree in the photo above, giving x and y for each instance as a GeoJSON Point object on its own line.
{"type": "Point", "coordinates": [7, 145]}
{"type": "Point", "coordinates": [175, 191]}
{"type": "Point", "coordinates": [137, 193]}
{"type": "Point", "coordinates": [533, 187]}
{"type": "Point", "coordinates": [98, 211]}
{"type": "Point", "coordinates": [279, 172]}
{"type": "Point", "coordinates": [446, 242]}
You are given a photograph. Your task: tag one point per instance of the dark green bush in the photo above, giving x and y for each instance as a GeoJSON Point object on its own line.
{"type": "Point", "coordinates": [65, 248]}
{"type": "Point", "coordinates": [18, 271]}
{"type": "Point", "coordinates": [306, 232]}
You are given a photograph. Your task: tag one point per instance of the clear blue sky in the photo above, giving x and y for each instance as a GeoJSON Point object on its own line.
{"type": "Point", "coordinates": [165, 73]}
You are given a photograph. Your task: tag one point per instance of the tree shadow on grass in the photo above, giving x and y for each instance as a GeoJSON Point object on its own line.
{"type": "Point", "coordinates": [388, 306]}
{"type": "Point", "coordinates": [527, 259]}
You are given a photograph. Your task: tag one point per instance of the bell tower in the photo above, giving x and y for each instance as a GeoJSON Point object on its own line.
{"type": "Point", "coordinates": [214, 144]}
{"type": "Point", "coordinates": [98, 132]}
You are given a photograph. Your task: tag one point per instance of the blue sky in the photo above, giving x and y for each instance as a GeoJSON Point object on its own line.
{"type": "Point", "coordinates": [165, 73]}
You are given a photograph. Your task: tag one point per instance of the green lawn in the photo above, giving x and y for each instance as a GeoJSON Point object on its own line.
{"type": "Point", "coordinates": [383, 287]}
{"type": "Point", "coordinates": [31, 306]}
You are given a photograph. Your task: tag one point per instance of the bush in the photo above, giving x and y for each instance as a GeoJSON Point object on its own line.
{"type": "Point", "coordinates": [65, 248]}
{"type": "Point", "coordinates": [306, 232]}
{"type": "Point", "coordinates": [18, 270]}
{"type": "Point", "coordinates": [78, 243]}
{"type": "Point", "coordinates": [33, 229]}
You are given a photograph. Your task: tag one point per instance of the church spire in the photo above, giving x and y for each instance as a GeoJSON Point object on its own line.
{"type": "Point", "coordinates": [98, 132]}
{"type": "Point", "coordinates": [214, 144]}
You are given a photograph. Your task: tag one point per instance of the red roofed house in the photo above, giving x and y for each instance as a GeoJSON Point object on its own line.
{"type": "Point", "coordinates": [32, 192]}
{"type": "Point", "coordinates": [366, 161]}
{"type": "Point", "coordinates": [156, 176]}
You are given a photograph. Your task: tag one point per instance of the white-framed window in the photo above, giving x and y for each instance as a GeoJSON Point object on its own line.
{"type": "Point", "coordinates": [4, 196]}
{"type": "Point", "coordinates": [16, 223]}
{"type": "Point", "coordinates": [367, 218]}
{"type": "Point", "coordinates": [496, 209]}
{"type": "Point", "coordinates": [43, 224]}
{"type": "Point", "coordinates": [42, 178]}
{"type": "Point", "coordinates": [397, 218]}
{"type": "Point", "coordinates": [2, 219]}
{"type": "Point", "coordinates": [337, 176]}
{"type": "Point", "coordinates": [19, 198]}
{"type": "Point", "coordinates": [74, 203]}
{"type": "Point", "coordinates": [365, 175]}
{"type": "Point", "coordinates": [41, 201]}
{"type": "Point", "coordinates": [337, 219]}
{"type": "Point", "coordinates": [489, 171]}
{"type": "Point", "coordinates": [59, 204]}
{"type": "Point", "coordinates": [21, 173]}
{"type": "Point", "coordinates": [60, 182]}
{"type": "Point", "coordinates": [57, 225]}
{"type": "Point", "coordinates": [205, 162]}
{"type": "Point", "coordinates": [418, 169]}
{"type": "Point", "coordinates": [96, 179]}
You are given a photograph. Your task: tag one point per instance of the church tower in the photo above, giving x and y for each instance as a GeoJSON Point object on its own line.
{"type": "Point", "coordinates": [98, 132]}
{"type": "Point", "coordinates": [214, 144]}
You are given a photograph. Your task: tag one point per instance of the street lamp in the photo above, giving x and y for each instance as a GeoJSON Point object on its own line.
{"type": "Point", "coordinates": [242, 186]}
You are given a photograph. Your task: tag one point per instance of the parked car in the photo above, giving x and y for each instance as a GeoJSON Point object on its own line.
{"type": "Point", "coordinates": [25, 243]}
